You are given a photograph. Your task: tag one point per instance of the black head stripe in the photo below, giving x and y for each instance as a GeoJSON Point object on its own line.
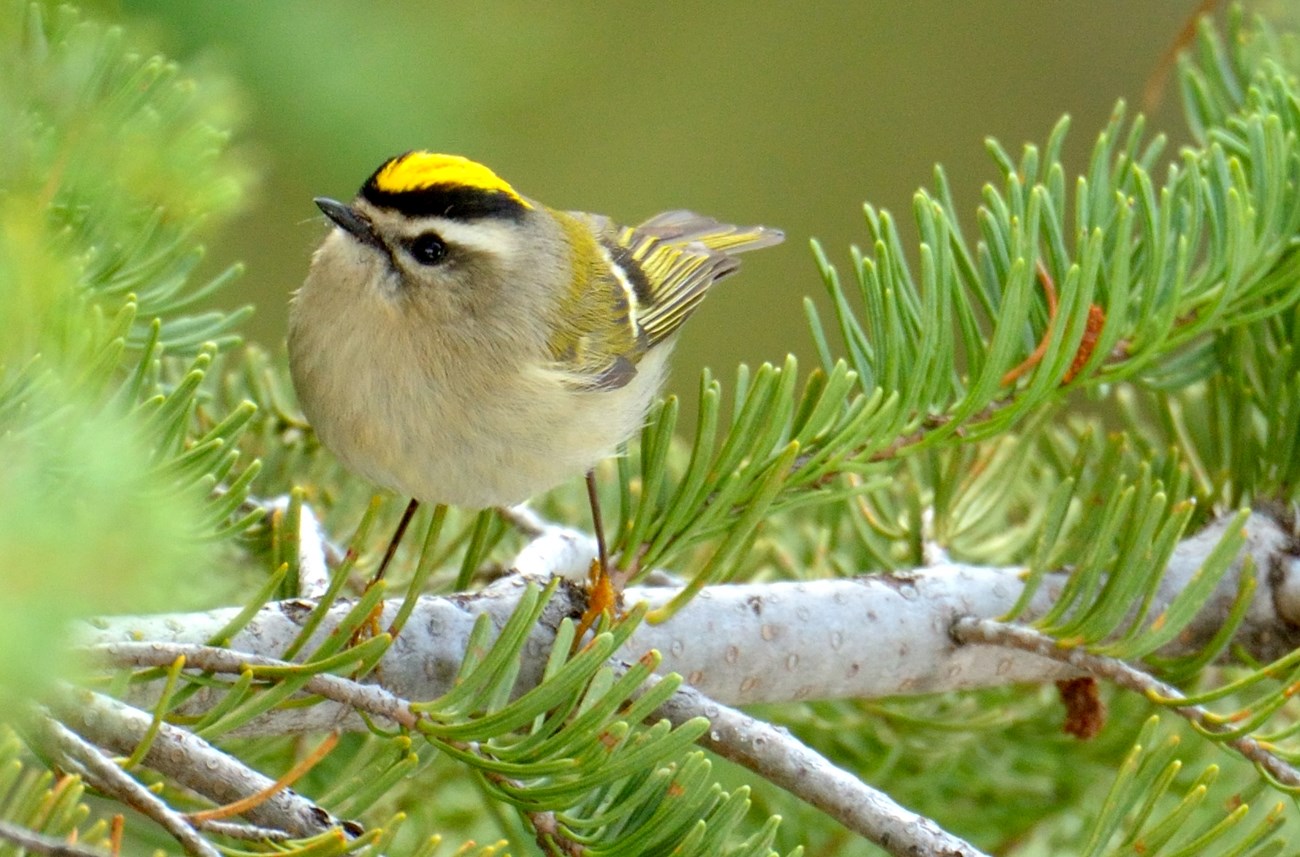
{"type": "Point", "coordinates": [456, 202]}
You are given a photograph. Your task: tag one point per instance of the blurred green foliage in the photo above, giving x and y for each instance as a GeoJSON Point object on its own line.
{"type": "Point", "coordinates": [97, 220]}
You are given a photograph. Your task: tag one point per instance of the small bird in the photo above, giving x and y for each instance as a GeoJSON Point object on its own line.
{"type": "Point", "coordinates": [459, 343]}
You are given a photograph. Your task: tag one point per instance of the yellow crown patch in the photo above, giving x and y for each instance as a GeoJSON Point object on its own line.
{"type": "Point", "coordinates": [419, 170]}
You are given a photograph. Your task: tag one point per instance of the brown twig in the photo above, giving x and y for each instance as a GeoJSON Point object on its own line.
{"type": "Point", "coordinates": [990, 632]}
{"type": "Point", "coordinates": [1091, 332]}
{"type": "Point", "coordinates": [546, 827]}
{"type": "Point", "coordinates": [1154, 89]}
{"type": "Point", "coordinates": [1049, 289]}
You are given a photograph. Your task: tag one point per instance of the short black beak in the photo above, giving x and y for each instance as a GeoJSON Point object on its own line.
{"type": "Point", "coordinates": [348, 219]}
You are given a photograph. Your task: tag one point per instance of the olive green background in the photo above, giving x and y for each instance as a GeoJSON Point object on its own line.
{"type": "Point", "coordinates": [786, 114]}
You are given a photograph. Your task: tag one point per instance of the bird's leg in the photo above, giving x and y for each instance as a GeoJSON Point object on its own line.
{"type": "Point", "coordinates": [602, 553]}
{"type": "Point", "coordinates": [370, 628]}
{"type": "Point", "coordinates": [395, 540]}
{"type": "Point", "coordinates": [605, 593]}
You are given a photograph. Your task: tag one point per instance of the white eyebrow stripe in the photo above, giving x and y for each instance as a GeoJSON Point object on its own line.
{"type": "Point", "coordinates": [482, 235]}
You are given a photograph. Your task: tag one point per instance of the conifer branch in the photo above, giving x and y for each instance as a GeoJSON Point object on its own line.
{"type": "Point", "coordinates": [313, 550]}
{"type": "Point", "coordinates": [770, 621]}
{"type": "Point", "coordinates": [770, 752]}
{"type": "Point", "coordinates": [971, 631]}
{"type": "Point", "coordinates": [246, 832]}
{"type": "Point", "coordinates": [80, 755]}
{"type": "Point", "coordinates": [783, 760]}
{"type": "Point", "coordinates": [35, 843]}
{"type": "Point", "coordinates": [862, 638]}
{"type": "Point", "coordinates": [192, 762]}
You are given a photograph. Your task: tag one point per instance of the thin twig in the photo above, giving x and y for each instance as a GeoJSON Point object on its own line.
{"type": "Point", "coordinates": [1153, 90]}
{"type": "Point", "coordinates": [783, 760]}
{"type": "Point", "coordinates": [318, 542]}
{"type": "Point", "coordinates": [294, 774]}
{"type": "Point", "coordinates": [238, 830]}
{"type": "Point", "coordinates": [521, 516]}
{"type": "Point", "coordinates": [371, 700]}
{"type": "Point", "coordinates": [970, 630]}
{"type": "Point", "coordinates": [554, 550]}
{"type": "Point", "coordinates": [361, 697]}
{"type": "Point", "coordinates": [99, 770]}
{"type": "Point", "coordinates": [764, 749]}
{"type": "Point", "coordinates": [37, 843]}
{"type": "Point", "coordinates": [546, 827]}
{"type": "Point", "coordinates": [313, 547]}
{"type": "Point", "coordinates": [193, 763]}
{"type": "Point", "coordinates": [1049, 289]}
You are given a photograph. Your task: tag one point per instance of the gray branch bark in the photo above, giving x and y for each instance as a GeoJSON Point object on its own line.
{"type": "Point", "coordinates": [865, 637]}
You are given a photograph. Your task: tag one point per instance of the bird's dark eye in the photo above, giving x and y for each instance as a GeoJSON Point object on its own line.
{"type": "Point", "coordinates": [428, 249]}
